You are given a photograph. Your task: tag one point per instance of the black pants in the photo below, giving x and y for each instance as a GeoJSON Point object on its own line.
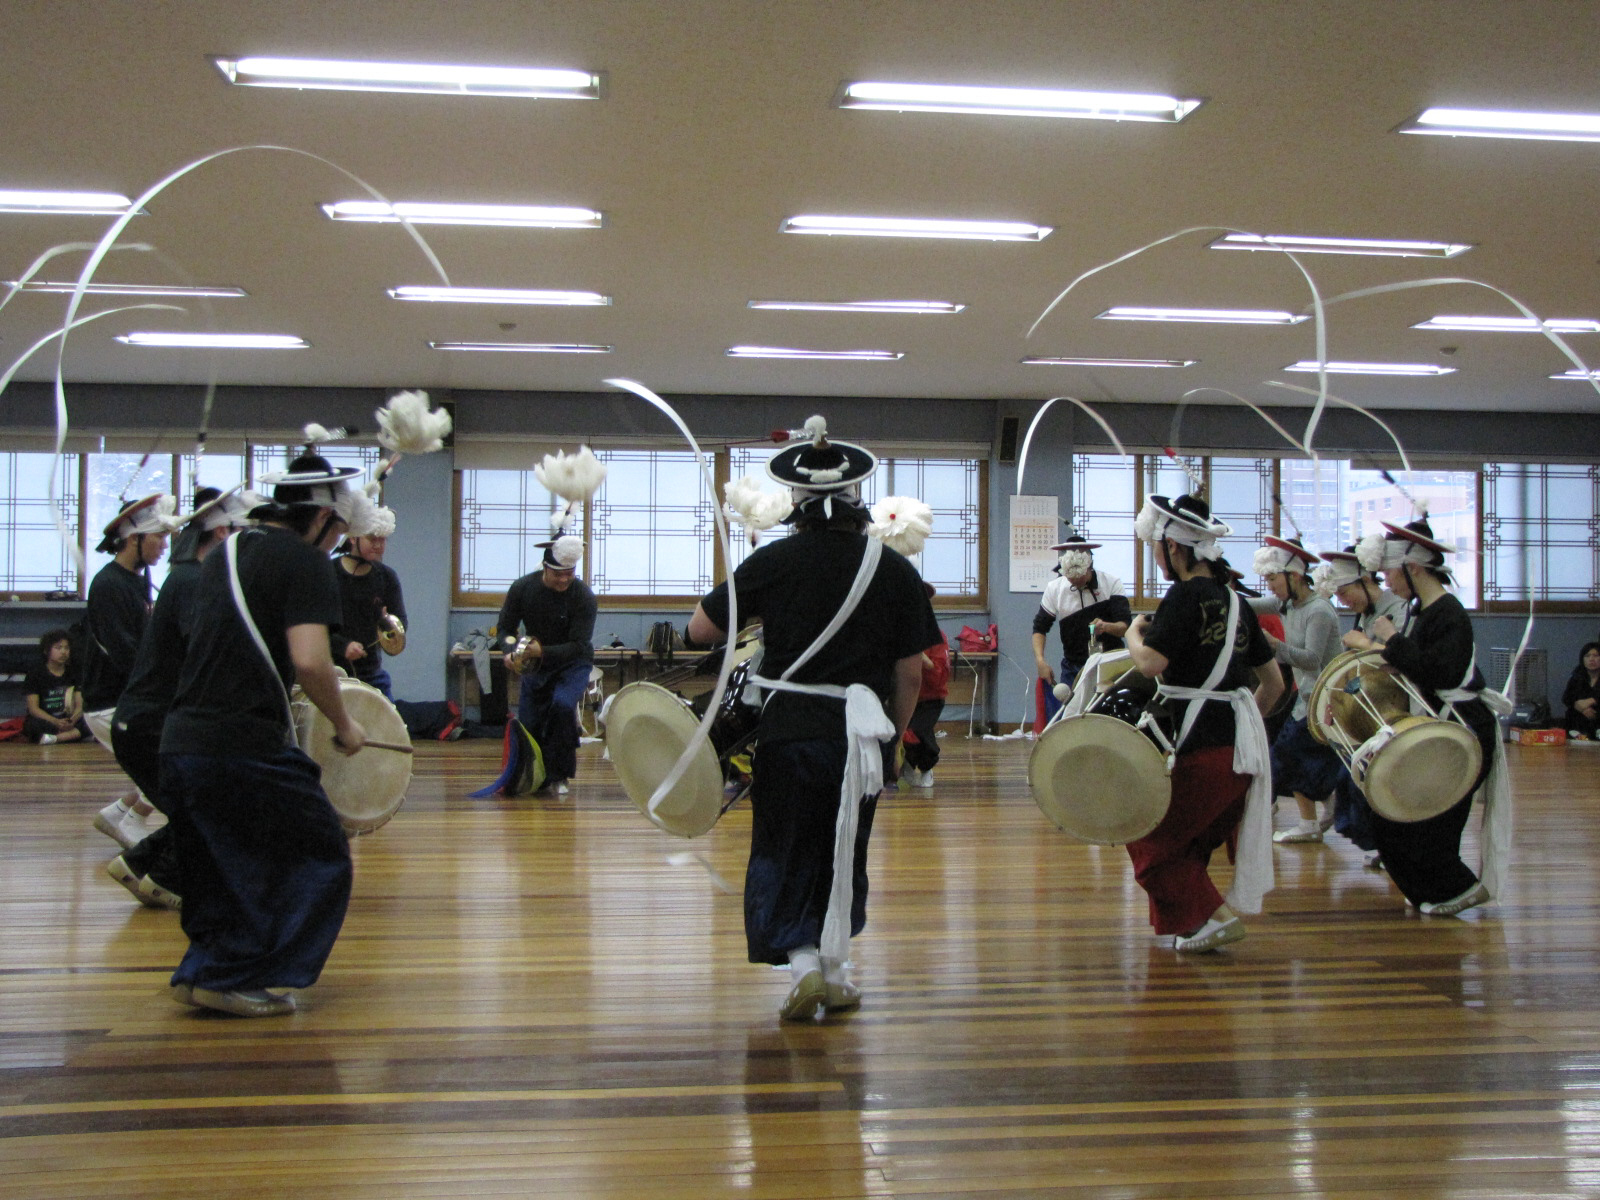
{"type": "Point", "coordinates": [138, 754]}
{"type": "Point", "coordinates": [923, 754]}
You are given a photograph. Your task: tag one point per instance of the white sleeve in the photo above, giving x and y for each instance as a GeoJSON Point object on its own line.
{"type": "Point", "coordinates": [1051, 600]}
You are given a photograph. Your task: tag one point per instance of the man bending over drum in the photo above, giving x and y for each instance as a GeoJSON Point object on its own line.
{"type": "Point", "coordinates": [1355, 585]}
{"type": "Point", "coordinates": [1424, 857]}
{"type": "Point", "coordinates": [1091, 608]}
{"type": "Point", "coordinates": [1301, 766]}
{"type": "Point", "coordinates": [1205, 644]}
{"type": "Point", "coordinates": [828, 690]}
{"type": "Point", "coordinates": [556, 611]}
{"type": "Point", "coordinates": [265, 863]}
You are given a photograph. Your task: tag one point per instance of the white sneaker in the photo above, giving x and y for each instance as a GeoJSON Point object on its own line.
{"type": "Point", "coordinates": [562, 789]}
{"type": "Point", "coordinates": [1297, 834]}
{"type": "Point", "coordinates": [911, 775]}
{"type": "Point", "coordinates": [109, 822]}
{"type": "Point", "coordinates": [47, 739]}
{"type": "Point", "coordinates": [924, 779]}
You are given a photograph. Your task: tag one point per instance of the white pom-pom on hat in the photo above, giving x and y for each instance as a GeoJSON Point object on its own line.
{"type": "Point", "coordinates": [406, 425]}
{"type": "Point", "coordinates": [816, 428]}
{"type": "Point", "coordinates": [1322, 580]}
{"type": "Point", "coordinates": [901, 523]}
{"type": "Point", "coordinates": [567, 551]}
{"type": "Point", "coordinates": [753, 508]}
{"type": "Point", "coordinates": [571, 476]}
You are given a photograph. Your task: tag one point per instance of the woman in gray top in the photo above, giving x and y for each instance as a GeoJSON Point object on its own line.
{"type": "Point", "coordinates": [1301, 765]}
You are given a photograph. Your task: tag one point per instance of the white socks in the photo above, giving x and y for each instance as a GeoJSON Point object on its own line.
{"type": "Point", "coordinates": [803, 960]}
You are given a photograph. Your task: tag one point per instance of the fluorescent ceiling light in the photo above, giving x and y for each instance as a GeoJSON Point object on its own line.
{"type": "Point", "coordinates": [861, 306]}
{"type": "Point", "coordinates": [1484, 122]}
{"type": "Point", "coordinates": [61, 287]}
{"type": "Point", "coordinates": [79, 203]}
{"type": "Point", "coordinates": [1381, 247]}
{"type": "Point", "coordinates": [1109, 362]}
{"type": "Point", "coordinates": [465, 295]}
{"type": "Point", "coordinates": [515, 215]}
{"type": "Point", "coordinates": [433, 78]}
{"type": "Point", "coordinates": [1507, 325]}
{"type": "Point", "coordinates": [217, 341]}
{"type": "Point", "coordinates": [1577, 374]}
{"type": "Point", "coordinates": [987, 231]}
{"type": "Point", "coordinates": [1209, 316]}
{"type": "Point", "coordinates": [839, 355]}
{"type": "Point", "coordinates": [525, 347]}
{"type": "Point", "coordinates": [1013, 102]}
{"type": "Point", "coordinates": [1360, 368]}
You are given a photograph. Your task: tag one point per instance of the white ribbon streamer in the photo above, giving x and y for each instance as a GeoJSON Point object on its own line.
{"type": "Point", "coordinates": [703, 730]}
{"type": "Point", "coordinates": [38, 264]}
{"type": "Point", "coordinates": [1022, 458]}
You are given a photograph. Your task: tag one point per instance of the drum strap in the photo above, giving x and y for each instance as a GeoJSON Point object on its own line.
{"type": "Point", "coordinates": [230, 552]}
{"type": "Point", "coordinates": [865, 727]}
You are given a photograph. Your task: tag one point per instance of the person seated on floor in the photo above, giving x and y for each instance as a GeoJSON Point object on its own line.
{"type": "Point", "coordinates": [55, 705]}
{"type": "Point", "coordinates": [1582, 695]}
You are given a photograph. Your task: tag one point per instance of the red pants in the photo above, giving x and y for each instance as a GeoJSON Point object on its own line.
{"type": "Point", "coordinates": [1170, 861]}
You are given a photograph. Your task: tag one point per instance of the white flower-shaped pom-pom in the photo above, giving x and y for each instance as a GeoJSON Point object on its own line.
{"type": "Point", "coordinates": [903, 523]}
{"type": "Point", "coordinates": [568, 551]}
{"type": "Point", "coordinates": [360, 515]}
{"type": "Point", "coordinates": [1369, 552]}
{"type": "Point", "coordinates": [1322, 580]}
{"type": "Point", "coordinates": [382, 522]}
{"type": "Point", "coordinates": [1269, 560]}
{"type": "Point", "coordinates": [406, 425]}
{"type": "Point", "coordinates": [753, 508]}
{"type": "Point", "coordinates": [320, 433]}
{"type": "Point", "coordinates": [816, 429]}
{"type": "Point", "coordinates": [1144, 525]}
{"type": "Point", "coordinates": [572, 476]}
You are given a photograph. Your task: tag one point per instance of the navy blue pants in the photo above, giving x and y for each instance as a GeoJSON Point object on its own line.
{"type": "Point", "coordinates": [1302, 764]}
{"type": "Point", "coordinates": [548, 706]}
{"type": "Point", "coordinates": [794, 809]}
{"type": "Point", "coordinates": [138, 754]}
{"type": "Point", "coordinates": [266, 869]}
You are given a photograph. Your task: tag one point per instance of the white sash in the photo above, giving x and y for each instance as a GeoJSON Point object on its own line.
{"type": "Point", "coordinates": [1497, 805]}
{"type": "Point", "coordinates": [230, 552]}
{"type": "Point", "coordinates": [866, 726]}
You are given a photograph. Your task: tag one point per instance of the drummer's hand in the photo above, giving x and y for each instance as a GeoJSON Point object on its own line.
{"type": "Point", "coordinates": [350, 738]}
{"type": "Point", "coordinates": [1383, 629]}
{"type": "Point", "coordinates": [1045, 673]}
{"type": "Point", "coordinates": [1356, 640]}
{"type": "Point", "coordinates": [354, 651]}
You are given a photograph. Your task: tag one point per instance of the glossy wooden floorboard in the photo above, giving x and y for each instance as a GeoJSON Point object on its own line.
{"type": "Point", "coordinates": [542, 997]}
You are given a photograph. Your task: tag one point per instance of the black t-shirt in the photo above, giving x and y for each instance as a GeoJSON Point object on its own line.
{"type": "Point", "coordinates": [154, 680]}
{"type": "Point", "coordinates": [362, 599]}
{"type": "Point", "coordinates": [794, 587]}
{"type": "Point", "coordinates": [1435, 655]}
{"type": "Point", "coordinates": [229, 703]}
{"type": "Point", "coordinates": [1188, 629]}
{"type": "Point", "coordinates": [113, 624]}
{"type": "Point", "coordinates": [562, 621]}
{"type": "Point", "coordinates": [51, 689]}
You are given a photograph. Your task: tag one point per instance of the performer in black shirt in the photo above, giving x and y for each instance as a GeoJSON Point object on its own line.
{"type": "Point", "coordinates": [265, 863]}
{"type": "Point", "coordinates": [150, 869]}
{"type": "Point", "coordinates": [824, 716]}
{"type": "Point", "coordinates": [113, 624]}
{"type": "Point", "coordinates": [1207, 647]}
{"type": "Point", "coordinates": [1436, 653]}
{"type": "Point", "coordinates": [372, 604]}
{"type": "Point", "coordinates": [556, 612]}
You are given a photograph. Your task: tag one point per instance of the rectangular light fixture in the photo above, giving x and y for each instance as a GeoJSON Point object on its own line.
{"type": "Point", "coordinates": [912, 227]}
{"type": "Point", "coordinates": [466, 295]}
{"type": "Point", "coordinates": [1207, 316]}
{"type": "Point", "coordinates": [1379, 247]}
{"type": "Point", "coordinates": [525, 347]}
{"type": "Point", "coordinates": [523, 216]}
{"type": "Point", "coordinates": [62, 287]}
{"type": "Point", "coordinates": [432, 78]}
{"type": "Point", "coordinates": [1507, 325]}
{"type": "Point", "coordinates": [1491, 123]}
{"type": "Point", "coordinates": [832, 355]}
{"type": "Point", "coordinates": [1013, 102]}
{"type": "Point", "coordinates": [1110, 362]}
{"type": "Point", "coordinates": [1361, 368]}
{"type": "Point", "coordinates": [946, 307]}
{"type": "Point", "coordinates": [216, 341]}
{"type": "Point", "coordinates": [94, 204]}
{"type": "Point", "coordinates": [1577, 374]}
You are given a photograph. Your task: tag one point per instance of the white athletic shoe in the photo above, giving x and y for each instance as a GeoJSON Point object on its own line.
{"type": "Point", "coordinates": [924, 779]}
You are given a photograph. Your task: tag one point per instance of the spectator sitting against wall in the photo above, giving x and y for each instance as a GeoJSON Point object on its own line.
{"type": "Point", "coordinates": [55, 705]}
{"type": "Point", "coordinates": [1582, 696]}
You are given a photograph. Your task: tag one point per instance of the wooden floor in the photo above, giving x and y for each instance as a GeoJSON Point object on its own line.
{"type": "Point", "coordinates": [550, 998]}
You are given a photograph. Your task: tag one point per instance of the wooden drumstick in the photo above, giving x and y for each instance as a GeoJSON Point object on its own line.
{"type": "Point", "coordinates": [395, 746]}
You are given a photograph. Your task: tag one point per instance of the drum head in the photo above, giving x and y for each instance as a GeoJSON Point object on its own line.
{"type": "Point", "coordinates": [365, 789]}
{"type": "Point", "coordinates": [1330, 704]}
{"type": "Point", "coordinates": [646, 731]}
{"type": "Point", "coordinates": [1424, 770]}
{"type": "Point", "coordinates": [1099, 779]}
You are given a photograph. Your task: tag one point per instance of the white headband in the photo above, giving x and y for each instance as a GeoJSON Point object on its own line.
{"type": "Point", "coordinates": [1270, 560]}
{"type": "Point", "coordinates": [1153, 524]}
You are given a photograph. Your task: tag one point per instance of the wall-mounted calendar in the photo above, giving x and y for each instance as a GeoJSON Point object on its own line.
{"type": "Point", "coordinates": [1033, 532]}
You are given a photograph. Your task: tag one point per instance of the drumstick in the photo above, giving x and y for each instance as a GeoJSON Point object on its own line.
{"type": "Point", "coordinates": [395, 746]}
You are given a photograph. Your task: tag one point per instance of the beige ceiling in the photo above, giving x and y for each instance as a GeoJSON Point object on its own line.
{"type": "Point", "coordinates": [717, 124]}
